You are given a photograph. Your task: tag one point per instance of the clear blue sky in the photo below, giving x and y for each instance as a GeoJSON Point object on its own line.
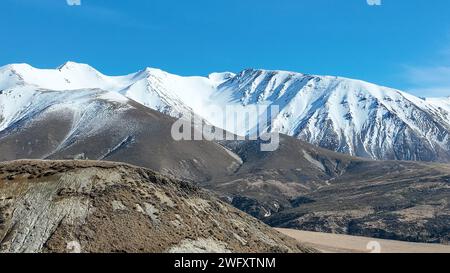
{"type": "Point", "coordinates": [402, 43]}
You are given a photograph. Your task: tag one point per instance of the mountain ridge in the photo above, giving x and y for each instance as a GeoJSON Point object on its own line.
{"type": "Point", "coordinates": [340, 114]}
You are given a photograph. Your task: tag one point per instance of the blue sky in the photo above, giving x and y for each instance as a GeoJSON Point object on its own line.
{"type": "Point", "coordinates": [402, 43]}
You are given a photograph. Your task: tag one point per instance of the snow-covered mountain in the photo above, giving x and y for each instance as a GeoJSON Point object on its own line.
{"type": "Point", "coordinates": [340, 114]}
{"type": "Point", "coordinates": [348, 116]}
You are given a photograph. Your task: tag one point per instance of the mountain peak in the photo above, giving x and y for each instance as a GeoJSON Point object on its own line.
{"type": "Point", "coordinates": [16, 67]}
{"type": "Point", "coordinates": [70, 65]}
{"type": "Point", "coordinates": [152, 70]}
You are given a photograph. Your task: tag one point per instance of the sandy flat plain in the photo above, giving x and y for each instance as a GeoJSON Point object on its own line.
{"type": "Point", "coordinates": [335, 243]}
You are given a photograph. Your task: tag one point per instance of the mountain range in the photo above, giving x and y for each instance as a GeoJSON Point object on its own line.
{"type": "Point", "coordinates": [340, 114]}
{"type": "Point", "coordinates": [75, 112]}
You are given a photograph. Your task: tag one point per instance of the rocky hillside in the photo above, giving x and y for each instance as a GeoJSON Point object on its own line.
{"type": "Point", "coordinates": [91, 206]}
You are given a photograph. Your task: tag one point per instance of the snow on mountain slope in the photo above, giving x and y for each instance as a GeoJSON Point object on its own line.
{"type": "Point", "coordinates": [340, 114]}
{"type": "Point", "coordinates": [442, 104]}
{"type": "Point", "coordinates": [25, 102]}
{"type": "Point", "coordinates": [70, 76]}
{"type": "Point", "coordinates": [171, 94]}
{"type": "Point", "coordinates": [345, 115]}
{"type": "Point", "coordinates": [26, 91]}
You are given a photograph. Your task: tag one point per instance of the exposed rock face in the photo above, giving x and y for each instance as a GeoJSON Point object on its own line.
{"type": "Point", "coordinates": [87, 206]}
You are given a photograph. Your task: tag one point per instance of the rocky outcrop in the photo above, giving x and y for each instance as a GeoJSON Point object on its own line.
{"type": "Point", "coordinates": [92, 206]}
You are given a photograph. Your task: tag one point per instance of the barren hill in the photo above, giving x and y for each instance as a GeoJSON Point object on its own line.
{"type": "Point", "coordinates": [91, 206]}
